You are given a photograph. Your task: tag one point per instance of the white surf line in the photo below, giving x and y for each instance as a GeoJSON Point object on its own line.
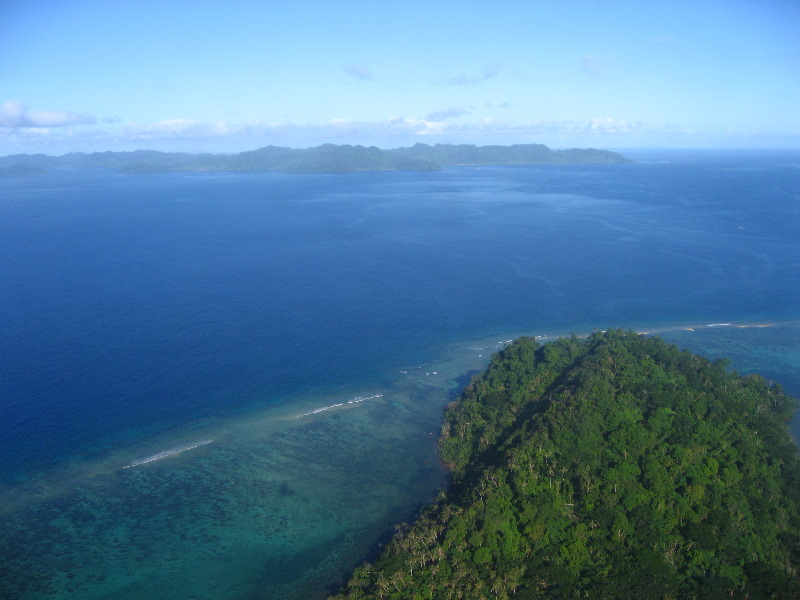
{"type": "Point", "coordinates": [696, 327]}
{"type": "Point", "coordinates": [165, 454]}
{"type": "Point", "coordinates": [355, 400]}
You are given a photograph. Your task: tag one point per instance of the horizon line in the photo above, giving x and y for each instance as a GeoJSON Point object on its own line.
{"type": "Point", "coordinates": [555, 148]}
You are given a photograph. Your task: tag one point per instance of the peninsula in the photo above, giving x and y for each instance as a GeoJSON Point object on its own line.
{"type": "Point", "coordinates": [615, 466]}
{"type": "Point", "coordinates": [328, 158]}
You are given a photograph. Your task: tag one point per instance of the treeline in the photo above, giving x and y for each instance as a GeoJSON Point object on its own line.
{"type": "Point", "coordinates": [328, 158]}
{"type": "Point", "coordinates": [612, 467]}
{"type": "Point", "coordinates": [517, 154]}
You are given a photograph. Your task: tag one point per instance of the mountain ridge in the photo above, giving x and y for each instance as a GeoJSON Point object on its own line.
{"type": "Point", "coordinates": [326, 158]}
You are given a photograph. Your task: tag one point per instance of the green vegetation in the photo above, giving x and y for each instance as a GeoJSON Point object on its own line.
{"type": "Point", "coordinates": [328, 158]}
{"type": "Point", "coordinates": [517, 154]}
{"type": "Point", "coordinates": [612, 467]}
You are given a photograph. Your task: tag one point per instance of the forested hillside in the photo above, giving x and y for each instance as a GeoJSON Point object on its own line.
{"type": "Point", "coordinates": [615, 466]}
{"type": "Point", "coordinates": [327, 158]}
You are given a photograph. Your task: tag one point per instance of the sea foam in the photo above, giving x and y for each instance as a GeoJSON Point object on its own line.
{"type": "Point", "coordinates": [166, 453]}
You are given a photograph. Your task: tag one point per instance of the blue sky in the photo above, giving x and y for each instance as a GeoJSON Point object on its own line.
{"type": "Point", "coordinates": [81, 75]}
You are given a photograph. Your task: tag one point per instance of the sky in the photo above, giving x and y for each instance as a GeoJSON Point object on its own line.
{"type": "Point", "coordinates": [213, 76]}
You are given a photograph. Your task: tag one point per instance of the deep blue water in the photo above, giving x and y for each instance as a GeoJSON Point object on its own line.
{"type": "Point", "coordinates": [140, 314]}
{"type": "Point", "coordinates": [134, 304]}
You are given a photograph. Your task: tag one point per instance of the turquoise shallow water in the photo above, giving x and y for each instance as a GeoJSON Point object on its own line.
{"type": "Point", "coordinates": [278, 505]}
{"type": "Point", "coordinates": [145, 315]}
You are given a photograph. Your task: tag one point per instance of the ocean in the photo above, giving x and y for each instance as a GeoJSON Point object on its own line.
{"type": "Point", "coordinates": [229, 385]}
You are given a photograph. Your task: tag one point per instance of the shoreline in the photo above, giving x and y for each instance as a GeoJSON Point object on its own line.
{"type": "Point", "coordinates": [449, 361]}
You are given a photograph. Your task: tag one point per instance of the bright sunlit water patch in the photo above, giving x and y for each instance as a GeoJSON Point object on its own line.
{"type": "Point", "coordinates": [269, 354]}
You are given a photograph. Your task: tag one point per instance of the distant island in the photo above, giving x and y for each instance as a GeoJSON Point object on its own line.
{"type": "Point", "coordinates": [612, 467]}
{"type": "Point", "coordinates": [328, 158]}
{"type": "Point", "coordinates": [15, 169]}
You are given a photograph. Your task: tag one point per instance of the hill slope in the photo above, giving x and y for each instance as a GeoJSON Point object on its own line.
{"type": "Point", "coordinates": [516, 154]}
{"type": "Point", "coordinates": [328, 158]}
{"type": "Point", "coordinates": [611, 467]}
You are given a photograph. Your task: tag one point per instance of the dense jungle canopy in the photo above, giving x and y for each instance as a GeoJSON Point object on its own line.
{"type": "Point", "coordinates": [616, 466]}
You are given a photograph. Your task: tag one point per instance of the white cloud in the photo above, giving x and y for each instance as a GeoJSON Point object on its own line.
{"type": "Point", "coordinates": [402, 128]}
{"type": "Point", "coordinates": [181, 134]}
{"type": "Point", "coordinates": [500, 127]}
{"type": "Point", "coordinates": [176, 129]}
{"type": "Point", "coordinates": [15, 114]}
{"type": "Point", "coordinates": [449, 113]}
{"type": "Point", "coordinates": [609, 126]}
{"type": "Point", "coordinates": [191, 135]}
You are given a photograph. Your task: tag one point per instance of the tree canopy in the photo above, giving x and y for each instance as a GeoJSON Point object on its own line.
{"type": "Point", "coordinates": [615, 466]}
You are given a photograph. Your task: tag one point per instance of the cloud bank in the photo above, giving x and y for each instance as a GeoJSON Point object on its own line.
{"type": "Point", "coordinates": [14, 114]}
{"type": "Point", "coordinates": [185, 129]}
{"type": "Point", "coordinates": [55, 132]}
{"type": "Point", "coordinates": [449, 113]}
